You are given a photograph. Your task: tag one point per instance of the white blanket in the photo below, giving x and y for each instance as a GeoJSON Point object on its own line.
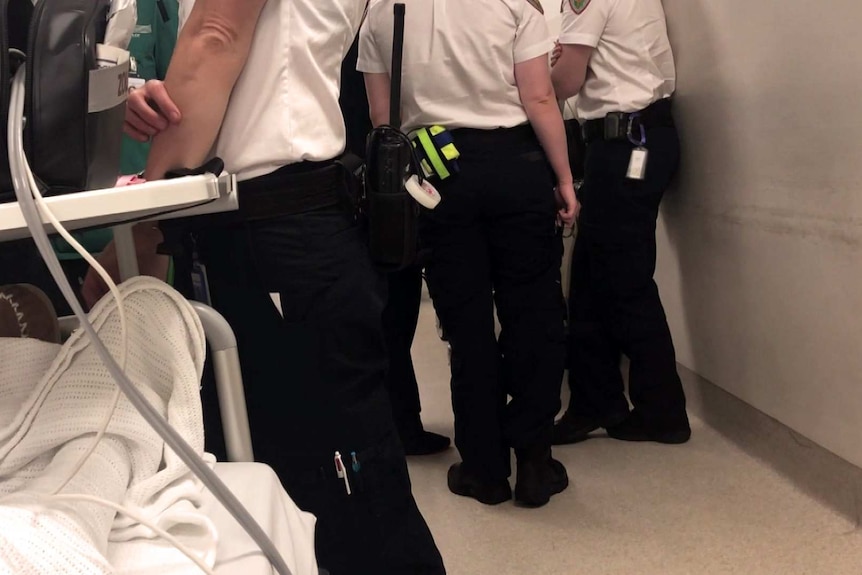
{"type": "Point", "coordinates": [258, 488]}
{"type": "Point", "coordinates": [52, 401]}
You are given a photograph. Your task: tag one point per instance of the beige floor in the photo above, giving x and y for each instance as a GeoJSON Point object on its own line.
{"type": "Point", "coordinates": [703, 508]}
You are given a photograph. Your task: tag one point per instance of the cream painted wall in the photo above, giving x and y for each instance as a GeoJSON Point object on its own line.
{"type": "Point", "coordinates": [760, 262]}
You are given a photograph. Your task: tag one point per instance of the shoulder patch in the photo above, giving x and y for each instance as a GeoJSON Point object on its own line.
{"type": "Point", "coordinates": [537, 4]}
{"type": "Point", "coordinates": [579, 5]}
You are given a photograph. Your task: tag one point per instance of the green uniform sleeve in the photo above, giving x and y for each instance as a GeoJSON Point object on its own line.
{"type": "Point", "coordinates": [152, 47]}
{"type": "Point", "coordinates": [165, 36]}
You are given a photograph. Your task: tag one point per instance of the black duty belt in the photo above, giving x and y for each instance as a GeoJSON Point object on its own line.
{"type": "Point", "coordinates": [619, 125]}
{"type": "Point", "coordinates": [293, 189]}
{"type": "Point", "coordinates": [521, 141]}
{"type": "Point", "coordinates": [516, 134]}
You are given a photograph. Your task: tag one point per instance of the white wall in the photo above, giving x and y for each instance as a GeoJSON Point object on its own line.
{"type": "Point", "coordinates": [760, 262]}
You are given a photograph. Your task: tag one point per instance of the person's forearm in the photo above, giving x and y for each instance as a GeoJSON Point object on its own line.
{"type": "Point", "coordinates": [545, 117]}
{"type": "Point", "coordinates": [378, 120]}
{"type": "Point", "coordinates": [147, 237]}
{"type": "Point", "coordinates": [570, 71]}
{"type": "Point", "coordinates": [377, 89]}
{"type": "Point", "coordinates": [378, 107]}
{"type": "Point", "coordinates": [566, 85]}
{"type": "Point", "coordinates": [209, 57]}
{"type": "Point", "coordinates": [194, 81]}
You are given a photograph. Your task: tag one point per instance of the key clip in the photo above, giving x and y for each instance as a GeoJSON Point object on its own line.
{"type": "Point", "coordinates": [629, 133]}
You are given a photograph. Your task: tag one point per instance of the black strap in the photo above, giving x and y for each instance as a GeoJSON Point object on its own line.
{"type": "Point", "coordinates": [396, 74]}
{"type": "Point", "coordinates": [214, 166]}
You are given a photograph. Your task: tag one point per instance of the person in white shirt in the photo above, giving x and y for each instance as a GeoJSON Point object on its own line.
{"type": "Point", "coordinates": [616, 57]}
{"type": "Point", "coordinates": [480, 71]}
{"type": "Point", "coordinates": [256, 82]}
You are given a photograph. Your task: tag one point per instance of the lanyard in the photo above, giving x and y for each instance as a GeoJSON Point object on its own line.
{"type": "Point", "coordinates": [639, 143]}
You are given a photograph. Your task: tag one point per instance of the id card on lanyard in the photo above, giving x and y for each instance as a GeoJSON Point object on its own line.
{"type": "Point", "coordinates": [640, 155]}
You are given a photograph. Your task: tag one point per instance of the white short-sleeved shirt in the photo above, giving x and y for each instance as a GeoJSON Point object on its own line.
{"type": "Point", "coordinates": [632, 63]}
{"type": "Point", "coordinates": [459, 58]}
{"type": "Point", "coordinates": [284, 108]}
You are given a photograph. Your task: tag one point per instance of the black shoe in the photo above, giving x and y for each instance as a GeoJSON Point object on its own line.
{"type": "Point", "coordinates": [540, 476]}
{"type": "Point", "coordinates": [467, 485]}
{"type": "Point", "coordinates": [634, 428]}
{"type": "Point", "coordinates": [576, 428]}
{"type": "Point", "coordinates": [425, 443]}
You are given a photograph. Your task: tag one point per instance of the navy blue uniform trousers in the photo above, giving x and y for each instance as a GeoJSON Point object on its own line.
{"type": "Point", "coordinates": [614, 304]}
{"type": "Point", "coordinates": [493, 243]}
{"type": "Point", "coordinates": [314, 383]}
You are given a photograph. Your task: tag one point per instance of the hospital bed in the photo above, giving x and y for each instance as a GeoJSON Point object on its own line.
{"type": "Point", "coordinates": [186, 197]}
{"type": "Point", "coordinates": [254, 486]}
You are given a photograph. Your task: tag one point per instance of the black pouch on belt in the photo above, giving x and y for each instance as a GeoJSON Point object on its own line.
{"type": "Point", "coordinates": [354, 172]}
{"type": "Point", "coordinates": [393, 214]}
{"type": "Point", "coordinates": [618, 125]}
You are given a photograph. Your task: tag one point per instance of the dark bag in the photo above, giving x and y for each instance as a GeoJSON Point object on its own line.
{"type": "Point", "coordinates": [15, 16]}
{"type": "Point", "coordinates": [75, 93]}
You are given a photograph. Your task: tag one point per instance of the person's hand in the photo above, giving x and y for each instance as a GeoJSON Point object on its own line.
{"type": "Point", "coordinates": [150, 263]}
{"type": "Point", "coordinates": [568, 203]}
{"type": "Point", "coordinates": [94, 287]}
{"type": "Point", "coordinates": [149, 111]}
{"type": "Point", "coordinates": [556, 53]}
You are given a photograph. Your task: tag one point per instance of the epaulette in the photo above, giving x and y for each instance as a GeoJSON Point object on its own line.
{"type": "Point", "coordinates": [537, 4]}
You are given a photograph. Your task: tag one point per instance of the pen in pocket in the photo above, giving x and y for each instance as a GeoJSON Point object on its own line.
{"type": "Point", "coordinates": [341, 471]}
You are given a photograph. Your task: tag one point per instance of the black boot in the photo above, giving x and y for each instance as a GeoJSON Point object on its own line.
{"type": "Point", "coordinates": [672, 431]}
{"type": "Point", "coordinates": [417, 441]}
{"type": "Point", "coordinates": [425, 443]}
{"type": "Point", "coordinates": [539, 476]}
{"type": "Point", "coordinates": [576, 428]}
{"type": "Point", "coordinates": [464, 483]}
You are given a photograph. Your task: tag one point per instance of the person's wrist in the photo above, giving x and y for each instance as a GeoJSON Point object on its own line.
{"type": "Point", "coordinates": [149, 233]}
